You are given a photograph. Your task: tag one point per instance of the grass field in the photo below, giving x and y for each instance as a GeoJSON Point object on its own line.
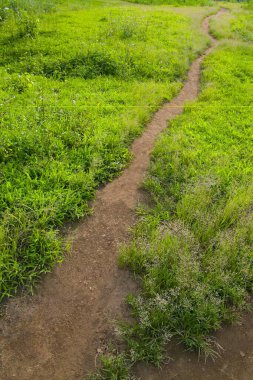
{"type": "Point", "coordinates": [79, 82]}
{"type": "Point", "coordinates": [192, 250]}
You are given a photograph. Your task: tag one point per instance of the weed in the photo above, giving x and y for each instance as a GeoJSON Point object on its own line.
{"type": "Point", "coordinates": [26, 25]}
{"type": "Point", "coordinates": [114, 367]}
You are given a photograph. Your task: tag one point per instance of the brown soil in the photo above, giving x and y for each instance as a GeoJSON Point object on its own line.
{"type": "Point", "coordinates": [56, 334]}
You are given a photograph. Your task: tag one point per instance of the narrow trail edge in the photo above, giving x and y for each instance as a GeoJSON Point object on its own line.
{"type": "Point", "coordinates": [54, 334]}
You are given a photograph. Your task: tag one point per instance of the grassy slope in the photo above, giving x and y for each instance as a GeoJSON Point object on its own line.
{"type": "Point", "coordinates": [193, 249]}
{"type": "Point", "coordinates": [78, 85]}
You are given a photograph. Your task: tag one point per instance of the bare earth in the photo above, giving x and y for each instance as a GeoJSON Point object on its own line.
{"type": "Point", "coordinates": [55, 334]}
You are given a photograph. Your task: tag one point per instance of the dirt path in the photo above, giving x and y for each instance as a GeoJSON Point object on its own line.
{"type": "Point", "coordinates": [54, 335]}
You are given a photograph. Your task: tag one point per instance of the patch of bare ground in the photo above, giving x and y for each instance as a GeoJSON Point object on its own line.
{"type": "Point", "coordinates": [55, 334]}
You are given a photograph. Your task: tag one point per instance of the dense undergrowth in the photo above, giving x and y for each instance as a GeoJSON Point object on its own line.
{"type": "Point", "coordinates": [192, 250]}
{"type": "Point", "coordinates": [79, 81]}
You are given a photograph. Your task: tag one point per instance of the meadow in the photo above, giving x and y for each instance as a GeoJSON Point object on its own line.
{"type": "Point", "coordinates": [79, 82]}
{"type": "Point", "coordinates": [192, 250]}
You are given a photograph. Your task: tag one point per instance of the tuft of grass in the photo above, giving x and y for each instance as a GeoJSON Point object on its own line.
{"type": "Point", "coordinates": [113, 367]}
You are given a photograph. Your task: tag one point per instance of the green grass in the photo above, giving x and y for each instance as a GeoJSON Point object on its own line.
{"type": "Point", "coordinates": [115, 366]}
{"type": "Point", "coordinates": [237, 24]}
{"type": "Point", "coordinates": [192, 250]}
{"type": "Point", "coordinates": [79, 82]}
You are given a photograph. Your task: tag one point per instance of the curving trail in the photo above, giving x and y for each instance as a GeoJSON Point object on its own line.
{"type": "Point", "coordinates": [54, 335]}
